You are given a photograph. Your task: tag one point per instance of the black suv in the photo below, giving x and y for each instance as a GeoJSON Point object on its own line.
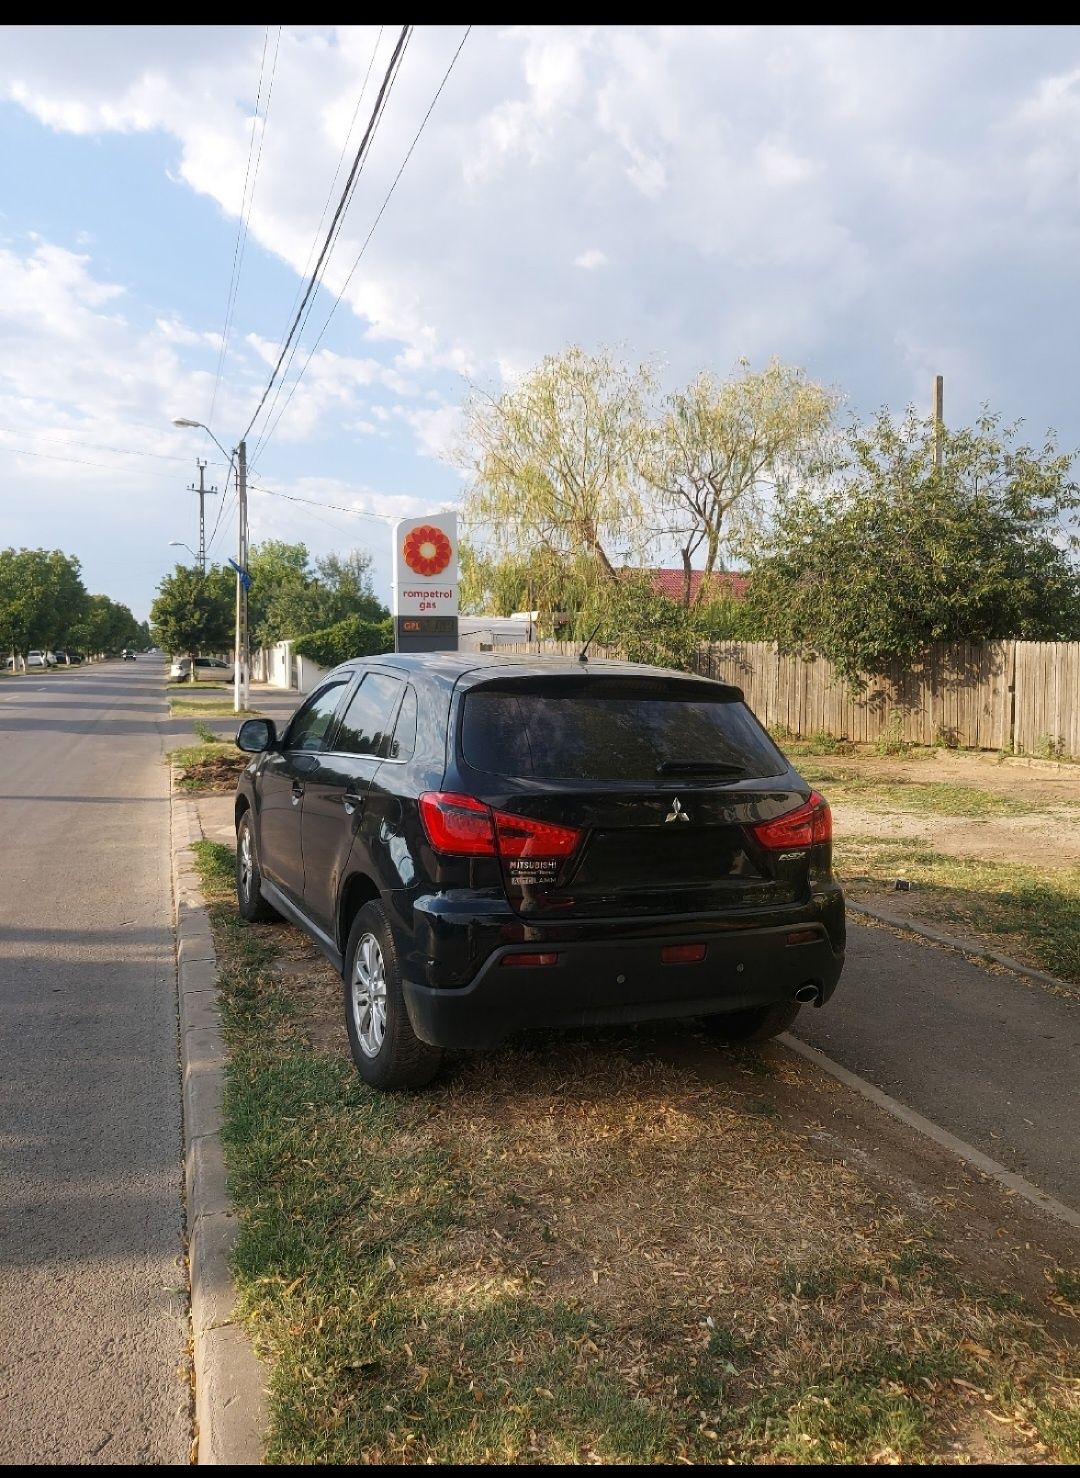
{"type": "Point", "coordinates": [483, 843]}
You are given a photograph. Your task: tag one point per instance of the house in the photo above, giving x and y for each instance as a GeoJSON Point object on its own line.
{"type": "Point", "coordinates": [723, 584]}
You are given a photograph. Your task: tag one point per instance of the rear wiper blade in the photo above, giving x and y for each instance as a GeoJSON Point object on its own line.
{"type": "Point", "coordinates": [698, 767]}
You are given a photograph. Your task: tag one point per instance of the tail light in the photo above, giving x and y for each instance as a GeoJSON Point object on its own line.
{"type": "Point", "coordinates": [461, 826]}
{"type": "Point", "coordinates": [806, 825]}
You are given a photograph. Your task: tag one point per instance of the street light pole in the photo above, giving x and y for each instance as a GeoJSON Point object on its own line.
{"type": "Point", "coordinates": [240, 690]}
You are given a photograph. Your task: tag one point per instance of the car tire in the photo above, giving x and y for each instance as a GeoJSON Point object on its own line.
{"type": "Point", "coordinates": [387, 1052]}
{"type": "Point", "coordinates": [250, 903]}
{"type": "Point", "coordinates": [755, 1024]}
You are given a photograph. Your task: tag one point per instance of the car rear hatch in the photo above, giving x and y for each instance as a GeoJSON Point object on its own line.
{"type": "Point", "coordinates": [626, 795]}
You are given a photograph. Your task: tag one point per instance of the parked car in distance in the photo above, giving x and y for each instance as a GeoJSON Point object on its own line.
{"type": "Point", "coordinates": [38, 659]}
{"type": "Point", "coordinates": [481, 844]}
{"type": "Point", "coordinates": [181, 666]}
{"type": "Point", "coordinates": [74, 658]}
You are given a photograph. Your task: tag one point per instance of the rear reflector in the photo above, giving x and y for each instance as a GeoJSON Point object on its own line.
{"type": "Point", "coordinates": [683, 954]}
{"type": "Point", "coordinates": [803, 936]}
{"type": "Point", "coordinates": [538, 958]}
{"type": "Point", "coordinates": [807, 824]}
{"type": "Point", "coordinates": [461, 826]}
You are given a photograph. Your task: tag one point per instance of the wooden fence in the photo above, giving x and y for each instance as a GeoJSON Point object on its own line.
{"type": "Point", "coordinates": [1022, 696]}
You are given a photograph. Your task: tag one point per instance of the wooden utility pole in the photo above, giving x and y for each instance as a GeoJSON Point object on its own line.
{"type": "Point", "coordinates": [939, 421]}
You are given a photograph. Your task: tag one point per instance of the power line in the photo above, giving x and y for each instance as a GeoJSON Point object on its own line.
{"type": "Point", "coordinates": [96, 446]}
{"type": "Point", "coordinates": [330, 507]}
{"type": "Point", "coordinates": [342, 205]}
{"type": "Point", "coordinates": [221, 505]}
{"type": "Point", "coordinates": [352, 270]}
{"type": "Point", "coordinates": [318, 228]}
{"type": "Point", "coordinates": [247, 200]}
{"type": "Point", "coordinates": [19, 451]}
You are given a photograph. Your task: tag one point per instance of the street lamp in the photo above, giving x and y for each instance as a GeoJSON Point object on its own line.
{"type": "Point", "coordinates": [179, 544]}
{"type": "Point", "coordinates": [242, 657]}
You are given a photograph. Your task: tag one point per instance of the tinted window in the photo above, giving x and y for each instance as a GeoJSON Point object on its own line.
{"type": "Point", "coordinates": [367, 722]}
{"type": "Point", "coordinates": [309, 728]}
{"type": "Point", "coordinates": [610, 729]}
{"type": "Point", "coordinates": [404, 740]}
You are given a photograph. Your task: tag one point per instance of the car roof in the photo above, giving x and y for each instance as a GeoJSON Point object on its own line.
{"type": "Point", "coordinates": [449, 668]}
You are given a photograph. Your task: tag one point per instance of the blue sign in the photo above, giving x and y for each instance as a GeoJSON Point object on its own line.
{"type": "Point", "coordinates": [245, 578]}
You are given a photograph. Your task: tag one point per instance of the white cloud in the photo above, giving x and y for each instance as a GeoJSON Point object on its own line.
{"type": "Point", "coordinates": [870, 202]}
{"type": "Point", "coordinates": [591, 258]}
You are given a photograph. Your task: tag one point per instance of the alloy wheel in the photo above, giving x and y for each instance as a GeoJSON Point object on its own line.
{"type": "Point", "coordinates": [247, 862]}
{"type": "Point", "coordinates": [369, 995]}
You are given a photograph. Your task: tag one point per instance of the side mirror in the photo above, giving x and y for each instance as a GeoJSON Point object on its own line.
{"type": "Point", "coordinates": [256, 735]}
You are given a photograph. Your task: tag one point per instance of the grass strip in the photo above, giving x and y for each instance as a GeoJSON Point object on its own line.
{"type": "Point", "coordinates": [209, 706]}
{"type": "Point", "coordinates": [1032, 914]}
{"type": "Point", "coordinates": [211, 767]}
{"type": "Point", "coordinates": [578, 1253]}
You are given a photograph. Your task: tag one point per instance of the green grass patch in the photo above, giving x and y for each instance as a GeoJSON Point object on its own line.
{"type": "Point", "coordinates": [211, 706]}
{"type": "Point", "coordinates": [191, 689]}
{"type": "Point", "coordinates": [1036, 910]}
{"type": "Point", "coordinates": [210, 767]}
{"type": "Point", "coordinates": [569, 1254]}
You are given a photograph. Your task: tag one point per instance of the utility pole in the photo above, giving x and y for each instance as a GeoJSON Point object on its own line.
{"type": "Point", "coordinates": [242, 655]}
{"type": "Point", "coordinates": [204, 493]}
{"type": "Point", "coordinates": [939, 421]}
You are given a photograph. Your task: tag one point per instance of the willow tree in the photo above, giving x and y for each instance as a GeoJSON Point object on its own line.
{"type": "Point", "coordinates": [556, 481]}
{"type": "Point", "coordinates": [723, 448]}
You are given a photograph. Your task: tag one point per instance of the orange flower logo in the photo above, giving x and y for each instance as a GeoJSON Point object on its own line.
{"type": "Point", "coordinates": [427, 550]}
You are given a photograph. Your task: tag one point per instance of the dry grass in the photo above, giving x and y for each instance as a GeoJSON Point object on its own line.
{"type": "Point", "coordinates": [580, 1252]}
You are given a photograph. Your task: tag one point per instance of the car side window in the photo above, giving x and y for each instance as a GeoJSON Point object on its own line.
{"type": "Point", "coordinates": [311, 724]}
{"type": "Point", "coordinates": [367, 722]}
{"type": "Point", "coordinates": [403, 743]}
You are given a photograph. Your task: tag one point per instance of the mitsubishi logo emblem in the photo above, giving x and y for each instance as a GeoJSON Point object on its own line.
{"type": "Point", "coordinates": [676, 813]}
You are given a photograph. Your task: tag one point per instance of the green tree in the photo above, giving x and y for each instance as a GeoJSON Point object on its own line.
{"type": "Point", "coordinates": [193, 613]}
{"type": "Point", "coordinates": [105, 626]}
{"type": "Point", "coordinates": [290, 596]}
{"type": "Point", "coordinates": [898, 553]}
{"type": "Point", "coordinates": [41, 596]}
{"type": "Point", "coordinates": [556, 469]}
{"type": "Point", "coordinates": [721, 448]}
{"type": "Point", "coordinates": [282, 601]}
{"type": "Point", "coordinates": [355, 636]}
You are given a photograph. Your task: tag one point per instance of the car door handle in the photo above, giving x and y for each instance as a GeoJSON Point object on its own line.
{"type": "Point", "coordinates": [350, 800]}
{"type": "Point", "coordinates": [297, 792]}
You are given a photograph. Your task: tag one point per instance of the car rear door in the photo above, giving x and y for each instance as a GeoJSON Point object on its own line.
{"type": "Point", "coordinates": [282, 784]}
{"type": "Point", "coordinates": [335, 815]}
{"type": "Point", "coordinates": [651, 786]}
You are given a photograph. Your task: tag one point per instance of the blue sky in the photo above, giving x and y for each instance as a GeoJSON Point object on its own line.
{"type": "Point", "coordinates": [874, 204]}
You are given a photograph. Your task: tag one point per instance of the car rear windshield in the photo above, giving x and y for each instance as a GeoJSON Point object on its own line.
{"type": "Point", "coordinates": [598, 728]}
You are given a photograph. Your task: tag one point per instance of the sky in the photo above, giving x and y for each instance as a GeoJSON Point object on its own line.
{"type": "Point", "coordinates": [876, 205]}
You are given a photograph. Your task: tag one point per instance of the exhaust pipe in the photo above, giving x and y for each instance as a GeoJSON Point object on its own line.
{"type": "Point", "coordinates": [807, 993]}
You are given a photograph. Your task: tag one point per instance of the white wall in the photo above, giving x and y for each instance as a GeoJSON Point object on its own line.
{"type": "Point", "coordinates": [309, 674]}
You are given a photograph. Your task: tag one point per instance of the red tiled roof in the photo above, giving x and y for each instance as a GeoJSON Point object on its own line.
{"type": "Point", "coordinates": [722, 583]}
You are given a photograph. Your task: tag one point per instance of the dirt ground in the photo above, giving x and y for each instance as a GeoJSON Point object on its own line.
{"type": "Point", "coordinates": [1048, 838]}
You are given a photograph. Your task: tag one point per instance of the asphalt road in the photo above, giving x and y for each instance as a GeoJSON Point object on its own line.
{"type": "Point", "coordinates": [93, 1303]}
{"type": "Point", "coordinates": [989, 1057]}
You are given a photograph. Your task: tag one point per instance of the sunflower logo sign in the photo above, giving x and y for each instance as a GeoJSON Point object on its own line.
{"type": "Point", "coordinates": [426, 572]}
{"type": "Point", "coordinates": [426, 550]}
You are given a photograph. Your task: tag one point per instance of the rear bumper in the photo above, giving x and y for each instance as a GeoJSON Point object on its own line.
{"type": "Point", "coordinates": [595, 982]}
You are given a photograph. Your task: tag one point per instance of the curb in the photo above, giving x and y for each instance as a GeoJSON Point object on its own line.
{"type": "Point", "coordinates": [230, 1403]}
{"type": "Point", "coordinates": [1013, 1183]}
{"type": "Point", "coordinates": [973, 951]}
